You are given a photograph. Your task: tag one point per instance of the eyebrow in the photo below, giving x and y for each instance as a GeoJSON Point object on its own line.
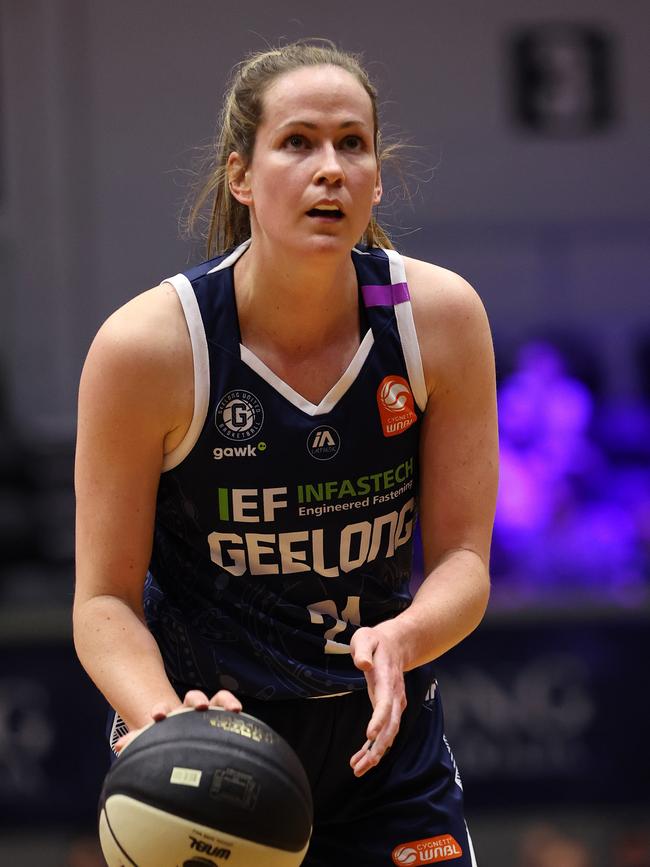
{"type": "Point", "coordinates": [309, 125]}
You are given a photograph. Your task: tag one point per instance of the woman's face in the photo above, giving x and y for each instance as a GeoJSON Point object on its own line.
{"type": "Point", "coordinates": [313, 177]}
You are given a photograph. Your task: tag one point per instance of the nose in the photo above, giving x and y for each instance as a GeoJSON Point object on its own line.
{"type": "Point", "coordinates": [330, 170]}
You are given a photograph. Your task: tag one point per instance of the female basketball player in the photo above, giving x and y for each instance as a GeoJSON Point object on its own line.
{"type": "Point", "coordinates": [254, 437]}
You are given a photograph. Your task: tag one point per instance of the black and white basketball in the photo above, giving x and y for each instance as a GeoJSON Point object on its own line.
{"type": "Point", "coordinates": [205, 789]}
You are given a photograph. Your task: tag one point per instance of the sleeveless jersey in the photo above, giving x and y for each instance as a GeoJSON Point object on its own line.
{"type": "Point", "coordinates": [282, 525]}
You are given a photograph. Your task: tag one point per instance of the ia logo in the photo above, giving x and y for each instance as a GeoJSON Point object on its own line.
{"type": "Point", "coordinates": [323, 443]}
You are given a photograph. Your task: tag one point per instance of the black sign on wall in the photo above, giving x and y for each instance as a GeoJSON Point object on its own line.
{"type": "Point", "coordinates": [562, 79]}
{"type": "Point", "coordinates": [550, 713]}
{"type": "Point", "coordinates": [53, 753]}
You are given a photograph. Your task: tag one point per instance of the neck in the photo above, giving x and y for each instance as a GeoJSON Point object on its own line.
{"type": "Point", "coordinates": [298, 304]}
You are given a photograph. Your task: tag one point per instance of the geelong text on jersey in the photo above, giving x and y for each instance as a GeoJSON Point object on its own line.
{"type": "Point", "coordinates": [304, 550]}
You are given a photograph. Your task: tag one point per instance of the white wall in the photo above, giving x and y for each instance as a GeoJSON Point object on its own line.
{"type": "Point", "coordinates": [103, 102]}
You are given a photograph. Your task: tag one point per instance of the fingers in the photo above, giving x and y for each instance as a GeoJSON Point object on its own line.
{"type": "Point", "coordinates": [123, 742]}
{"type": "Point", "coordinates": [160, 711]}
{"type": "Point", "coordinates": [194, 698]}
{"type": "Point", "coordinates": [382, 731]}
{"type": "Point", "coordinates": [385, 719]}
{"type": "Point", "coordinates": [379, 657]}
{"type": "Point", "coordinates": [363, 647]}
{"type": "Point", "coordinates": [120, 743]}
{"type": "Point", "coordinates": [198, 700]}
{"type": "Point", "coordinates": [226, 700]}
{"type": "Point", "coordinates": [370, 754]}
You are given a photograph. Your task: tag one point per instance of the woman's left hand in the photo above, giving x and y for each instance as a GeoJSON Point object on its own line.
{"type": "Point", "coordinates": [378, 654]}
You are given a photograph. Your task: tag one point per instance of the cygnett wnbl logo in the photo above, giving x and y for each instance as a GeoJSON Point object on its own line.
{"type": "Point", "coordinates": [427, 851]}
{"type": "Point", "coordinates": [395, 404]}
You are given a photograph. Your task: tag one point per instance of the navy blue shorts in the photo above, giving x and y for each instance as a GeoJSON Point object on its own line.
{"type": "Point", "coordinates": [408, 810]}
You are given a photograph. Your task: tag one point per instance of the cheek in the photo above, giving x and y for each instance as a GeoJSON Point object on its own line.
{"type": "Point", "coordinates": [275, 185]}
{"type": "Point", "coordinates": [364, 174]}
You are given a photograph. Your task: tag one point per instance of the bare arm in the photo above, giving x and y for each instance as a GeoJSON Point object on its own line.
{"type": "Point", "coordinates": [458, 475]}
{"type": "Point", "coordinates": [135, 403]}
{"type": "Point", "coordinates": [458, 480]}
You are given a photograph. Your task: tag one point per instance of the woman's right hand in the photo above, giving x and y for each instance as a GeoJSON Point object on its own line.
{"type": "Point", "coordinates": [195, 699]}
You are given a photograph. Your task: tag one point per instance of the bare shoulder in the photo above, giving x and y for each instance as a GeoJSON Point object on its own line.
{"type": "Point", "coordinates": [450, 318]}
{"type": "Point", "coordinates": [149, 325]}
{"type": "Point", "coordinates": [142, 355]}
{"type": "Point", "coordinates": [438, 292]}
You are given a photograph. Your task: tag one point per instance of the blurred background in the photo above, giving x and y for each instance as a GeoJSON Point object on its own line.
{"type": "Point", "coordinates": [530, 178]}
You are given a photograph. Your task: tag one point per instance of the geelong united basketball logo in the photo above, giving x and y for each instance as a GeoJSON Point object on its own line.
{"type": "Point", "coordinates": [239, 415]}
{"type": "Point", "coordinates": [396, 408]}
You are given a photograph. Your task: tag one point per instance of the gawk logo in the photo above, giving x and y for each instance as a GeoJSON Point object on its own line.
{"type": "Point", "coordinates": [247, 451]}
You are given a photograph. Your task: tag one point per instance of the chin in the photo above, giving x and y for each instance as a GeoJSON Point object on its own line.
{"type": "Point", "coordinates": [329, 244]}
{"type": "Point", "coordinates": [313, 244]}
{"type": "Point", "coordinates": [325, 243]}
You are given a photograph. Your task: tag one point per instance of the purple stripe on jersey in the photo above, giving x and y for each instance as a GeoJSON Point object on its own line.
{"type": "Point", "coordinates": [385, 296]}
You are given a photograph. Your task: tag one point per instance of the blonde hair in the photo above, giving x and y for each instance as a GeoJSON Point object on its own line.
{"type": "Point", "coordinates": [229, 222]}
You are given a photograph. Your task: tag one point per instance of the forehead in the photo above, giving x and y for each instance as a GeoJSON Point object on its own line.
{"type": "Point", "coordinates": [312, 90]}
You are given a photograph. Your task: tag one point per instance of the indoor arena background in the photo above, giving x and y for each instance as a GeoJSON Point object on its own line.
{"type": "Point", "coordinates": [529, 176]}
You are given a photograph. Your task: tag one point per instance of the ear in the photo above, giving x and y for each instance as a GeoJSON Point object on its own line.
{"type": "Point", "coordinates": [376, 199]}
{"type": "Point", "coordinates": [239, 179]}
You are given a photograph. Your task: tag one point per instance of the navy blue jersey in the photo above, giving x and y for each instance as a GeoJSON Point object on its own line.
{"type": "Point", "coordinates": [281, 525]}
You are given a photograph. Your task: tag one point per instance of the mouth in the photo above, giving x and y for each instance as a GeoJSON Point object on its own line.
{"type": "Point", "coordinates": [326, 212]}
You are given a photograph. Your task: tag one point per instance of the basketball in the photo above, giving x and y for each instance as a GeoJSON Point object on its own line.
{"type": "Point", "coordinates": [206, 788]}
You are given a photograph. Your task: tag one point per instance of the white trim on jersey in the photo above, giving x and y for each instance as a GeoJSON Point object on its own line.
{"type": "Point", "coordinates": [407, 333]}
{"type": "Point", "coordinates": [201, 361]}
{"type": "Point", "coordinates": [332, 397]}
{"type": "Point", "coordinates": [230, 260]}
{"type": "Point", "coordinates": [200, 357]}
{"type": "Point", "coordinates": [471, 847]}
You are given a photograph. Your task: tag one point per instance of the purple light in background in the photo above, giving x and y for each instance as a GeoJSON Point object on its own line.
{"type": "Point", "coordinates": [570, 520]}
